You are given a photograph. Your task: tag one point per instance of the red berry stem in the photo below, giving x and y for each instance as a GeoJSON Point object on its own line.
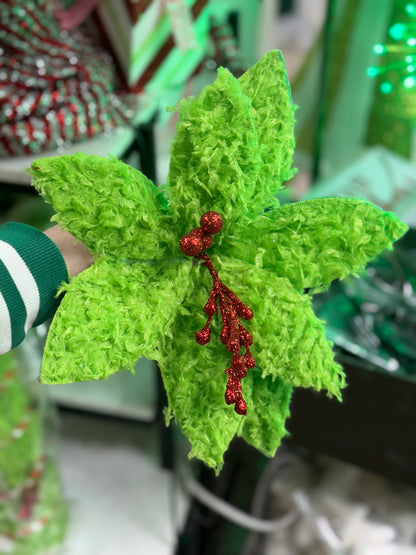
{"type": "Point", "coordinates": [233, 334]}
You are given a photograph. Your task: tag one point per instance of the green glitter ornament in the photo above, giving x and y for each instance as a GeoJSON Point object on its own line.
{"type": "Point", "coordinates": [142, 297]}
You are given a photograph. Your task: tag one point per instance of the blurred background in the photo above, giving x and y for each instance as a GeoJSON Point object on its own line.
{"type": "Point", "coordinates": [90, 468]}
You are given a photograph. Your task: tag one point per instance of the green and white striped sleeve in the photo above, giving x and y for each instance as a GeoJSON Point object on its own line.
{"type": "Point", "coordinates": [31, 271]}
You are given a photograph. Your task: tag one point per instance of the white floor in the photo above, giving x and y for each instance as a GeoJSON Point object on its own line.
{"type": "Point", "coordinates": [121, 502]}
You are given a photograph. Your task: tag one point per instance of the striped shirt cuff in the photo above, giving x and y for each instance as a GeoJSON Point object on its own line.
{"type": "Point", "coordinates": [31, 271]}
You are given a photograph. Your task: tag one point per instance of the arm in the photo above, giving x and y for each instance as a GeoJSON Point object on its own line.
{"type": "Point", "coordinates": [33, 265]}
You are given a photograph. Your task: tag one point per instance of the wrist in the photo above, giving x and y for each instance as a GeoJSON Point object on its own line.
{"type": "Point", "coordinates": [76, 255]}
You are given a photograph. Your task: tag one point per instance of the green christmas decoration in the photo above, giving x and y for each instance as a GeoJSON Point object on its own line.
{"type": "Point", "coordinates": [210, 256]}
{"type": "Point", "coordinates": [33, 515]}
{"type": "Point", "coordinates": [335, 125]}
{"type": "Point", "coordinates": [393, 113]}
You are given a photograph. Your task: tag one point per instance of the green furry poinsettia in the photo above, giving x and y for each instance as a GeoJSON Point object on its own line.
{"type": "Point", "coordinates": [143, 297]}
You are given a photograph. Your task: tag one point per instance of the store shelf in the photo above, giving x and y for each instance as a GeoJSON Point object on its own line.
{"type": "Point", "coordinates": [13, 169]}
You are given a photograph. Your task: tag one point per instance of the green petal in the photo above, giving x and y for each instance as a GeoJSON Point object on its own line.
{"type": "Point", "coordinates": [109, 206]}
{"type": "Point", "coordinates": [289, 348]}
{"type": "Point", "coordinates": [195, 380]}
{"type": "Point", "coordinates": [266, 83]}
{"type": "Point", "coordinates": [311, 243]}
{"type": "Point", "coordinates": [268, 401]}
{"type": "Point", "coordinates": [111, 315]}
{"type": "Point", "coordinates": [215, 161]}
{"type": "Point", "coordinates": [288, 339]}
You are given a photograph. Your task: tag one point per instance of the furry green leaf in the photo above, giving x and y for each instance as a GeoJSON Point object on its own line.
{"type": "Point", "coordinates": [195, 379]}
{"type": "Point", "coordinates": [288, 339]}
{"type": "Point", "coordinates": [268, 401]}
{"type": "Point", "coordinates": [111, 315]}
{"type": "Point", "coordinates": [267, 85]}
{"type": "Point", "coordinates": [313, 242]}
{"type": "Point", "coordinates": [111, 207]}
{"type": "Point", "coordinates": [215, 163]}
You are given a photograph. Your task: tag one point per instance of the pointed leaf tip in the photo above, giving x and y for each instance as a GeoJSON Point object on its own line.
{"type": "Point", "coordinates": [267, 85]}
{"type": "Point", "coordinates": [394, 228]}
{"type": "Point", "coordinates": [316, 241]}
{"type": "Point", "coordinates": [109, 206]}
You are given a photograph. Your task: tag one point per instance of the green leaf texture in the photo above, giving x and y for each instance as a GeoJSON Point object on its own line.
{"type": "Point", "coordinates": [194, 377]}
{"type": "Point", "coordinates": [268, 402]}
{"type": "Point", "coordinates": [313, 242]}
{"type": "Point", "coordinates": [288, 339]}
{"type": "Point", "coordinates": [267, 85]}
{"type": "Point", "coordinates": [215, 161]}
{"type": "Point", "coordinates": [109, 206]}
{"type": "Point", "coordinates": [111, 315]}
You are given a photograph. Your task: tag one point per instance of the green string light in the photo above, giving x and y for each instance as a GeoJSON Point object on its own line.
{"type": "Point", "coordinates": [409, 82]}
{"type": "Point", "coordinates": [398, 55]}
{"type": "Point", "coordinates": [396, 31]}
{"type": "Point", "coordinates": [379, 49]}
{"type": "Point", "coordinates": [410, 9]}
{"type": "Point", "coordinates": [386, 87]}
{"type": "Point", "coordinates": [372, 71]}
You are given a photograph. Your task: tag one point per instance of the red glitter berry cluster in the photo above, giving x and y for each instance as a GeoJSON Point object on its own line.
{"type": "Point", "coordinates": [200, 238]}
{"type": "Point", "coordinates": [233, 334]}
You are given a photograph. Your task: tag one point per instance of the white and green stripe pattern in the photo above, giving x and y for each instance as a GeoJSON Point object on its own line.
{"type": "Point", "coordinates": [31, 271]}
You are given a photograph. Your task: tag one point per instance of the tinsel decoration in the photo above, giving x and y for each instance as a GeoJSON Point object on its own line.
{"type": "Point", "coordinates": [56, 87]}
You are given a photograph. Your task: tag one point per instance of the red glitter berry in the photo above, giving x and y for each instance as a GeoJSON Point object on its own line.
{"type": "Point", "coordinates": [249, 360]}
{"type": "Point", "coordinates": [233, 345]}
{"type": "Point", "coordinates": [241, 407]}
{"type": "Point", "coordinates": [206, 241]}
{"type": "Point", "coordinates": [210, 307]}
{"type": "Point", "coordinates": [233, 382]}
{"type": "Point", "coordinates": [224, 335]}
{"type": "Point", "coordinates": [246, 338]}
{"type": "Point", "coordinates": [230, 397]}
{"type": "Point", "coordinates": [239, 366]}
{"type": "Point", "coordinates": [244, 311]}
{"type": "Point", "coordinates": [211, 223]}
{"type": "Point", "coordinates": [196, 232]}
{"type": "Point", "coordinates": [202, 337]}
{"type": "Point", "coordinates": [191, 245]}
